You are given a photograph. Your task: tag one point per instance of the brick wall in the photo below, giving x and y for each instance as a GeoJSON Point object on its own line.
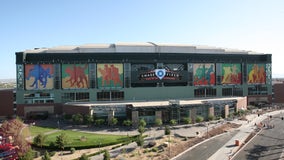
{"type": "Point", "coordinates": [6, 103]}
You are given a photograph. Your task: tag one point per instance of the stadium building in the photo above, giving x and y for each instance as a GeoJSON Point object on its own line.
{"type": "Point", "coordinates": [141, 80]}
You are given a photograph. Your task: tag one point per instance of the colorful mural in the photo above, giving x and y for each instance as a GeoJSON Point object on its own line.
{"type": "Point", "coordinates": [256, 73]}
{"type": "Point", "coordinates": [75, 76]}
{"type": "Point", "coordinates": [204, 74]}
{"type": "Point", "coordinates": [38, 76]}
{"type": "Point", "coordinates": [231, 74]}
{"type": "Point", "coordinates": [110, 75]}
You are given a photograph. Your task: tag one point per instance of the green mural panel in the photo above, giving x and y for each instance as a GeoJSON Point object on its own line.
{"type": "Point", "coordinates": [204, 74]}
{"type": "Point", "coordinates": [231, 74]}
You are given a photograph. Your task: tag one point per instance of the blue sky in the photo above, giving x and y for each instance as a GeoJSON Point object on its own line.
{"type": "Point", "coordinates": [254, 25]}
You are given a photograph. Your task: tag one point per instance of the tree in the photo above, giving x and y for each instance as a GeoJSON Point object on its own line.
{"type": "Point", "coordinates": [84, 157]}
{"type": "Point", "coordinates": [113, 121]}
{"type": "Point", "coordinates": [88, 120]}
{"type": "Point", "coordinates": [29, 155]}
{"type": "Point", "coordinates": [106, 155]}
{"type": "Point", "coordinates": [61, 141]}
{"type": "Point", "coordinates": [46, 156]}
{"type": "Point", "coordinates": [77, 118]}
{"type": "Point", "coordinates": [140, 140]}
{"type": "Point", "coordinates": [142, 122]}
{"type": "Point", "coordinates": [39, 139]}
{"type": "Point", "coordinates": [141, 129]}
{"type": "Point", "coordinates": [16, 129]}
{"type": "Point", "coordinates": [167, 130]}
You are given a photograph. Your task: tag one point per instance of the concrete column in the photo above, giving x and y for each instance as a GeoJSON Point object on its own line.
{"type": "Point", "coordinates": [193, 115]}
{"type": "Point", "coordinates": [110, 116]}
{"type": "Point", "coordinates": [211, 110]}
{"type": "Point", "coordinates": [158, 115]}
{"type": "Point", "coordinates": [226, 111]}
{"type": "Point", "coordinates": [135, 118]}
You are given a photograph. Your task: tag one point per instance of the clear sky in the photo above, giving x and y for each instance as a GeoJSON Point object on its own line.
{"type": "Point", "coordinates": [254, 25]}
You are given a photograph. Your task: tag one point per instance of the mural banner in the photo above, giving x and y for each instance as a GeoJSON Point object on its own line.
{"type": "Point", "coordinates": [39, 76]}
{"type": "Point", "coordinates": [75, 76]}
{"type": "Point", "coordinates": [110, 75]}
{"type": "Point", "coordinates": [231, 74]}
{"type": "Point", "coordinates": [204, 74]}
{"type": "Point", "coordinates": [256, 73]}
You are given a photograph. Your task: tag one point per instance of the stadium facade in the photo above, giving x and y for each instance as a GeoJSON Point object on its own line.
{"type": "Point", "coordinates": [141, 80]}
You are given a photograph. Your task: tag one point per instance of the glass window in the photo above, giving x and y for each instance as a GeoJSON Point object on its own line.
{"type": "Point", "coordinates": [227, 91]}
{"type": "Point", "coordinates": [76, 97]}
{"type": "Point", "coordinates": [142, 67]}
{"type": "Point", "coordinates": [127, 75]}
{"type": "Point", "coordinates": [205, 92]}
{"type": "Point", "coordinates": [257, 90]}
{"type": "Point", "coordinates": [110, 96]}
{"type": "Point", "coordinates": [38, 98]}
{"type": "Point", "coordinates": [232, 91]}
{"type": "Point", "coordinates": [146, 113]}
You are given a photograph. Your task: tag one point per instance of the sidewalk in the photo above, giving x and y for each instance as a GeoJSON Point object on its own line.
{"type": "Point", "coordinates": [156, 133]}
{"type": "Point", "coordinates": [182, 130]}
{"type": "Point", "coordinates": [230, 148]}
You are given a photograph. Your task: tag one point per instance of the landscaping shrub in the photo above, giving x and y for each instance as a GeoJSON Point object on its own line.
{"type": "Point", "coordinates": [99, 122]}
{"type": "Point", "coordinates": [173, 122]}
{"type": "Point", "coordinates": [72, 150]}
{"type": "Point", "coordinates": [106, 155]}
{"type": "Point", "coordinates": [211, 117]}
{"type": "Point", "coordinates": [158, 122]}
{"type": "Point", "coordinates": [127, 122]}
{"type": "Point", "coordinates": [186, 120]}
{"type": "Point", "coordinates": [199, 119]}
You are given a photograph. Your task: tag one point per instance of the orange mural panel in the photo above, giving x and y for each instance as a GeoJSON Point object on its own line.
{"type": "Point", "coordinates": [75, 76]}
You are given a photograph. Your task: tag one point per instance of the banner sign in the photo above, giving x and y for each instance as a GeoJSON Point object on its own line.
{"type": "Point", "coordinates": [231, 73]}
{"type": "Point", "coordinates": [159, 74]}
{"type": "Point", "coordinates": [110, 75]}
{"type": "Point", "coordinates": [256, 74]}
{"type": "Point", "coordinates": [75, 76]}
{"type": "Point", "coordinates": [204, 74]}
{"type": "Point", "coordinates": [39, 76]}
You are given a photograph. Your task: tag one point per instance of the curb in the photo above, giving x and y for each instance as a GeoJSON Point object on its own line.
{"type": "Point", "coordinates": [243, 144]}
{"type": "Point", "coordinates": [190, 148]}
{"type": "Point", "coordinates": [239, 149]}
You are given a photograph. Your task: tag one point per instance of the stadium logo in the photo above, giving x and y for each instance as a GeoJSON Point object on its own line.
{"type": "Point", "coordinates": [160, 73]}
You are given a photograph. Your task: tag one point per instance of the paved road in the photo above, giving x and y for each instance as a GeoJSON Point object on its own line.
{"type": "Point", "coordinates": [268, 144]}
{"type": "Point", "coordinates": [208, 148]}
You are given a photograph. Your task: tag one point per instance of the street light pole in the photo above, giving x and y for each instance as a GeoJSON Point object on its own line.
{"type": "Point", "coordinates": [58, 124]}
{"type": "Point", "coordinates": [169, 145]}
{"type": "Point", "coordinates": [207, 130]}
